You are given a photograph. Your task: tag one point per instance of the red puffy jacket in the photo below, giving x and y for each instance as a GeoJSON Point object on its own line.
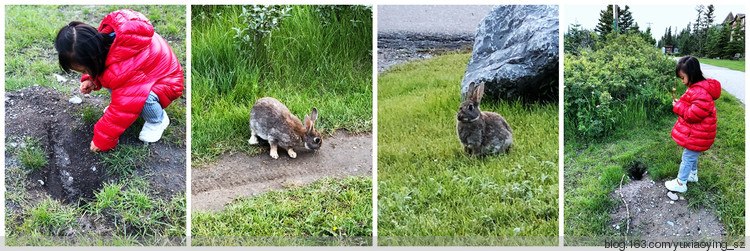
{"type": "Point", "coordinates": [139, 61]}
{"type": "Point", "coordinates": [696, 125]}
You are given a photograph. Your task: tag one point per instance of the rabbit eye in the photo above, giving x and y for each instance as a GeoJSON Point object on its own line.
{"type": "Point", "coordinates": [317, 140]}
{"type": "Point", "coordinates": [471, 107]}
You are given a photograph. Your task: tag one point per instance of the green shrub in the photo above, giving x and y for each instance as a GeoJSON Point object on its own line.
{"type": "Point", "coordinates": [258, 22]}
{"type": "Point", "coordinates": [623, 83]}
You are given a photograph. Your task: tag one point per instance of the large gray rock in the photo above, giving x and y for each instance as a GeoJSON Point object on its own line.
{"type": "Point", "coordinates": [516, 54]}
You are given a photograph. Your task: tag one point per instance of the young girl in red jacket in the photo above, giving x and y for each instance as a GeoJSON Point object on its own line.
{"type": "Point", "coordinates": [695, 129]}
{"type": "Point", "coordinates": [134, 63]}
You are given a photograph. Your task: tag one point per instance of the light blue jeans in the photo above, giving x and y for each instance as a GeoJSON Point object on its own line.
{"type": "Point", "coordinates": [689, 163]}
{"type": "Point", "coordinates": [152, 111]}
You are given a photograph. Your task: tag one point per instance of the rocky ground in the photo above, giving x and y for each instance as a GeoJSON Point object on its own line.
{"type": "Point", "coordinates": [653, 215]}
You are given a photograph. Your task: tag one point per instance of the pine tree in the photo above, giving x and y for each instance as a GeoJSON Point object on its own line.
{"type": "Point", "coordinates": [624, 21]}
{"type": "Point", "coordinates": [685, 41]}
{"type": "Point", "coordinates": [723, 42]}
{"type": "Point", "coordinates": [712, 49]}
{"type": "Point", "coordinates": [698, 31]}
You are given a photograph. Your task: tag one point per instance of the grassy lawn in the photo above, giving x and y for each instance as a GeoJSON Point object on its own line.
{"type": "Point", "coordinates": [737, 65]}
{"type": "Point", "coordinates": [427, 185]}
{"type": "Point", "coordinates": [141, 216]}
{"type": "Point", "coordinates": [593, 170]}
{"type": "Point", "coordinates": [304, 63]}
{"type": "Point", "coordinates": [325, 212]}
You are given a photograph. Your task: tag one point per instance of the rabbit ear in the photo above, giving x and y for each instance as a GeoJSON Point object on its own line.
{"type": "Point", "coordinates": [310, 120]}
{"type": "Point", "coordinates": [478, 92]}
{"type": "Point", "coordinates": [314, 114]}
{"type": "Point", "coordinates": [470, 91]}
{"type": "Point", "coordinates": [308, 123]}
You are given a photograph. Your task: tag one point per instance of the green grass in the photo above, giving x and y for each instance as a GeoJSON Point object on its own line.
{"type": "Point", "coordinates": [140, 219]}
{"type": "Point", "coordinates": [429, 187]}
{"type": "Point", "coordinates": [305, 64]}
{"type": "Point", "coordinates": [125, 160]}
{"type": "Point", "coordinates": [32, 155]}
{"type": "Point", "coordinates": [326, 212]}
{"type": "Point", "coordinates": [593, 170]}
{"type": "Point", "coordinates": [737, 65]}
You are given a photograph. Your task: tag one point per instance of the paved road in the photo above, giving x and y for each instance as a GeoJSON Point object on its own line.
{"type": "Point", "coordinates": [731, 81]}
{"type": "Point", "coordinates": [431, 19]}
{"type": "Point", "coordinates": [409, 32]}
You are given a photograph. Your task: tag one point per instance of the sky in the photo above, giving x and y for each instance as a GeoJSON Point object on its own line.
{"type": "Point", "coordinates": [660, 16]}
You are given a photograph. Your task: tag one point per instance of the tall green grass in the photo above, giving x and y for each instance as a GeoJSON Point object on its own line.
{"type": "Point", "coordinates": [305, 63]}
{"type": "Point", "coordinates": [429, 187]}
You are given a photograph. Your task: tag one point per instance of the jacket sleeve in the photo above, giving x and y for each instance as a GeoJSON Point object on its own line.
{"type": "Point", "coordinates": [118, 117]}
{"type": "Point", "coordinates": [97, 85]}
{"type": "Point", "coordinates": [696, 107]}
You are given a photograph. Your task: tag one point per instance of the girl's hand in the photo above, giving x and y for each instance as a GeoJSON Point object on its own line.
{"type": "Point", "coordinates": [93, 147]}
{"type": "Point", "coordinates": [674, 101]}
{"type": "Point", "coordinates": [87, 86]}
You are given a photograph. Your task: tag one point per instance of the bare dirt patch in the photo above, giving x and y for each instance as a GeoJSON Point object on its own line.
{"type": "Point", "coordinates": [74, 173]}
{"type": "Point", "coordinates": [655, 216]}
{"type": "Point", "coordinates": [237, 175]}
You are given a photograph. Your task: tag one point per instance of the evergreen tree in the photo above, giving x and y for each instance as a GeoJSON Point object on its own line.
{"type": "Point", "coordinates": [713, 37]}
{"type": "Point", "coordinates": [577, 39]}
{"type": "Point", "coordinates": [648, 37]}
{"type": "Point", "coordinates": [698, 32]}
{"type": "Point", "coordinates": [685, 41]}
{"type": "Point", "coordinates": [624, 21]}
{"type": "Point", "coordinates": [723, 42]}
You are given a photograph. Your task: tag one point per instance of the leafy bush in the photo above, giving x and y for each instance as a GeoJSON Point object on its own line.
{"type": "Point", "coordinates": [624, 83]}
{"type": "Point", "coordinates": [259, 21]}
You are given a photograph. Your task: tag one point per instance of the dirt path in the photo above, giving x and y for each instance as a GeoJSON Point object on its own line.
{"type": "Point", "coordinates": [239, 175]}
{"type": "Point", "coordinates": [73, 172]}
{"type": "Point", "coordinates": [654, 216]}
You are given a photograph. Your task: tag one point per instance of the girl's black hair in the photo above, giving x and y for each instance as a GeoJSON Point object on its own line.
{"type": "Point", "coordinates": [81, 44]}
{"type": "Point", "coordinates": [691, 67]}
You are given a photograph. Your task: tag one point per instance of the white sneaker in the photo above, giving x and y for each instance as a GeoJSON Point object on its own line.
{"type": "Point", "coordinates": [693, 176]}
{"type": "Point", "coordinates": [151, 132]}
{"type": "Point", "coordinates": [674, 186]}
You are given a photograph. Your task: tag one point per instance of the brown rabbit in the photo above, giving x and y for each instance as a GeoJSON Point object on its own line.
{"type": "Point", "coordinates": [272, 121]}
{"type": "Point", "coordinates": [481, 133]}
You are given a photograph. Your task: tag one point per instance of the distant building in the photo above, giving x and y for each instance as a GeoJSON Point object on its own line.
{"type": "Point", "coordinates": [668, 49]}
{"type": "Point", "coordinates": [734, 20]}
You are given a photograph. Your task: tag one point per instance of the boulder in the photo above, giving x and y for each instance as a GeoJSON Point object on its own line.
{"type": "Point", "coordinates": [516, 54]}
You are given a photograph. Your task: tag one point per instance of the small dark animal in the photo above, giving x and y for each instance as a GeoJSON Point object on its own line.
{"type": "Point", "coordinates": [481, 133]}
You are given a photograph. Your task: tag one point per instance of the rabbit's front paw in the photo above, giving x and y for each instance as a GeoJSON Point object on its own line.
{"type": "Point", "coordinates": [291, 153]}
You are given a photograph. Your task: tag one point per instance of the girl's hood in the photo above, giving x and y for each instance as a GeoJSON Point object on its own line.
{"type": "Point", "coordinates": [712, 86]}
